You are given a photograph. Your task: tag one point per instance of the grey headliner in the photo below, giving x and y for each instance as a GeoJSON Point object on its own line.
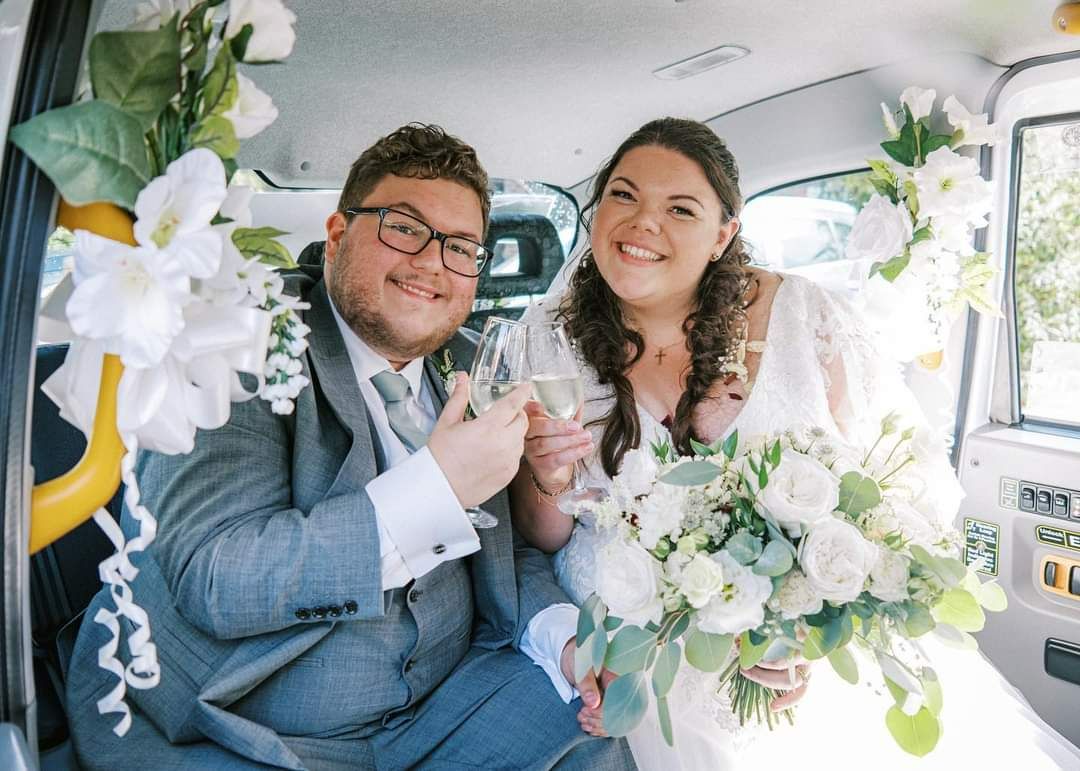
{"type": "Point", "coordinates": [546, 89]}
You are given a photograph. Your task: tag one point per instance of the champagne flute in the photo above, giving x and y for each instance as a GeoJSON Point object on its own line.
{"type": "Point", "coordinates": [557, 385]}
{"type": "Point", "coordinates": [499, 368]}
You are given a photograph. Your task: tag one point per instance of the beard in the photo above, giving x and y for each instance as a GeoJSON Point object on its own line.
{"type": "Point", "coordinates": [358, 304]}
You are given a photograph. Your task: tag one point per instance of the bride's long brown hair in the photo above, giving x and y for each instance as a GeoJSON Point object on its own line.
{"type": "Point", "coordinates": [593, 314]}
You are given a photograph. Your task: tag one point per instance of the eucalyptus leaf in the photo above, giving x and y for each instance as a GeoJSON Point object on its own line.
{"type": "Point", "coordinates": [933, 697]}
{"type": "Point", "coordinates": [750, 653]}
{"type": "Point", "coordinates": [992, 597]}
{"type": "Point", "coordinates": [954, 638]}
{"type": "Point", "coordinates": [698, 472]}
{"type": "Point", "coordinates": [708, 652]}
{"type": "Point", "coordinates": [583, 662]}
{"type": "Point", "coordinates": [215, 133]}
{"type": "Point", "coordinates": [916, 734]}
{"type": "Point", "coordinates": [744, 547]}
{"type": "Point", "coordinates": [893, 669]}
{"type": "Point", "coordinates": [625, 702]}
{"type": "Point", "coordinates": [611, 623]}
{"type": "Point", "coordinates": [586, 620]}
{"type": "Point", "coordinates": [598, 644]}
{"type": "Point", "coordinates": [821, 640]}
{"type": "Point", "coordinates": [137, 71]}
{"type": "Point", "coordinates": [917, 620]}
{"type": "Point", "coordinates": [775, 560]}
{"type": "Point", "coordinates": [663, 713]}
{"type": "Point", "coordinates": [667, 666]}
{"type": "Point", "coordinates": [902, 697]}
{"type": "Point", "coordinates": [629, 650]}
{"type": "Point", "coordinates": [959, 608]}
{"type": "Point", "coordinates": [92, 151]}
{"type": "Point", "coordinates": [843, 663]}
{"type": "Point", "coordinates": [858, 493]}
{"type": "Point", "coordinates": [948, 570]}
{"type": "Point", "coordinates": [703, 450]}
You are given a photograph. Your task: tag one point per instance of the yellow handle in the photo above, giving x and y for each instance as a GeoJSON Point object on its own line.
{"type": "Point", "coordinates": [60, 505]}
{"type": "Point", "coordinates": [1066, 18]}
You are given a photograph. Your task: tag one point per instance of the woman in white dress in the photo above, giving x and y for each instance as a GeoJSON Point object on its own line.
{"type": "Point", "coordinates": [679, 338]}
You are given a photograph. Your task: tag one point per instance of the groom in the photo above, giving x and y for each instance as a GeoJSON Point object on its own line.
{"type": "Point", "coordinates": [317, 594]}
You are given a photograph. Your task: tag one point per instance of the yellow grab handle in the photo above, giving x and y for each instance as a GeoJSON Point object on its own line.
{"type": "Point", "coordinates": [60, 505]}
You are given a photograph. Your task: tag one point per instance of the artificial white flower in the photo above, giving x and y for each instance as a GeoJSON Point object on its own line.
{"type": "Point", "coordinates": [155, 14]}
{"type": "Point", "coordinates": [881, 231]}
{"type": "Point", "coordinates": [130, 298]}
{"type": "Point", "coordinates": [800, 492]}
{"type": "Point", "coordinates": [889, 576]}
{"type": "Point", "coordinates": [628, 581]}
{"type": "Point", "coordinates": [660, 513]}
{"type": "Point", "coordinates": [950, 184]}
{"type": "Point", "coordinates": [954, 233]}
{"type": "Point", "coordinates": [272, 35]}
{"type": "Point", "coordinates": [253, 111]}
{"type": "Point", "coordinates": [173, 212]}
{"type": "Point", "coordinates": [701, 579]}
{"type": "Point", "coordinates": [796, 596]}
{"type": "Point", "coordinates": [920, 101]}
{"type": "Point", "coordinates": [836, 559]}
{"type": "Point", "coordinates": [977, 129]}
{"type": "Point", "coordinates": [889, 120]}
{"type": "Point", "coordinates": [741, 603]}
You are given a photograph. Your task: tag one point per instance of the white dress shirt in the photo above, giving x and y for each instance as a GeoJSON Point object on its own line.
{"type": "Point", "coordinates": [416, 508]}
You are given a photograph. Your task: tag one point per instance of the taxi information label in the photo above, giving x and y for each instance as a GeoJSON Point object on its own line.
{"type": "Point", "coordinates": [1059, 537]}
{"type": "Point", "coordinates": [981, 544]}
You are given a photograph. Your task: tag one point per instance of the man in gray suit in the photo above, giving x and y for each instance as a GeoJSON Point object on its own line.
{"type": "Point", "coordinates": [317, 594]}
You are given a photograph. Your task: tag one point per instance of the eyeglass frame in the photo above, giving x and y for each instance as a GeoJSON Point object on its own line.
{"type": "Point", "coordinates": [436, 235]}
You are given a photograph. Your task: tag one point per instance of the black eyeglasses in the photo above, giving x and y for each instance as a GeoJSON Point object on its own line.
{"type": "Point", "coordinates": [405, 233]}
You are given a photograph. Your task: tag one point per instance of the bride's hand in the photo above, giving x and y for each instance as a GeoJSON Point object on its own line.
{"type": "Point", "coordinates": [591, 688]}
{"type": "Point", "coordinates": [553, 446]}
{"type": "Point", "coordinates": [778, 676]}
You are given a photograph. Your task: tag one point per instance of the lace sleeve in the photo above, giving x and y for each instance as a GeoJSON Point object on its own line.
{"type": "Point", "coordinates": [864, 385]}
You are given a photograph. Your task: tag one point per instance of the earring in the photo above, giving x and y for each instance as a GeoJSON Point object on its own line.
{"type": "Point", "coordinates": [714, 257]}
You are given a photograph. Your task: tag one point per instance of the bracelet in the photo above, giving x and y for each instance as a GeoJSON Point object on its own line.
{"type": "Point", "coordinates": [545, 493]}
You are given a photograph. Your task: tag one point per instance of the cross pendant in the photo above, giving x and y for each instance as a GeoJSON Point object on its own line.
{"type": "Point", "coordinates": [659, 356]}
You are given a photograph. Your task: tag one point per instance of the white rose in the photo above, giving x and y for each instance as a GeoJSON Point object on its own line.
{"type": "Point", "coordinates": [628, 581]}
{"type": "Point", "coordinates": [254, 109]}
{"type": "Point", "coordinates": [741, 603]}
{"type": "Point", "coordinates": [272, 35]}
{"type": "Point", "coordinates": [977, 129]}
{"type": "Point", "coordinates": [800, 492]}
{"type": "Point", "coordinates": [889, 576]}
{"type": "Point", "coordinates": [836, 559]}
{"type": "Point", "coordinates": [796, 596]}
{"type": "Point", "coordinates": [637, 473]}
{"type": "Point", "coordinates": [155, 14]}
{"type": "Point", "coordinates": [701, 579]}
{"type": "Point", "coordinates": [919, 100]}
{"type": "Point", "coordinates": [881, 231]}
{"type": "Point", "coordinates": [660, 513]}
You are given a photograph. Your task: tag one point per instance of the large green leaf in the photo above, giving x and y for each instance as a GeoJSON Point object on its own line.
{"type": "Point", "coordinates": [917, 620]}
{"type": "Point", "coordinates": [750, 653]}
{"type": "Point", "coordinates": [992, 597]}
{"type": "Point", "coordinates": [137, 71]}
{"type": "Point", "coordinates": [92, 151]}
{"type": "Point", "coordinates": [261, 244]}
{"type": "Point", "coordinates": [625, 702]}
{"type": "Point", "coordinates": [744, 547]}
{"type": "Point", "coordinates": [698, 472]}
{"type": "Point", "coordinates": [891, 269]}
{"type": "Point", "coordinates": [220, 89]}
{"type": "Point", "coordinates": [959, 608]}
{"type": "Point", "coordinates": [948, 570]}
{"type": "Point", "coordinates": [667, 666]}
{"type": "Point", "coordinates": [216, 133]}
{"type": "Point", "coordinates": [916, 734]}
{"type": "Point", "coordinates": [820, 640]}
{"type": "Point", "coordinates": [708, 652]}
{"type": "Point", "coordinates": [629, 649]}
{"type": "Point", "coordinates": [843, 663]}
{"type": "Point", "coordinates": [774, 561]}
{"type": "Point", "coordinates": [858, 493]}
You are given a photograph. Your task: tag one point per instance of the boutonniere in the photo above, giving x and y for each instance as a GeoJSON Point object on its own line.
{"type": "Point", "coordinates": [447, 370]}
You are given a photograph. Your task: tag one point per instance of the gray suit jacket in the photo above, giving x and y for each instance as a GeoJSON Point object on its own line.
{"type": "Point", "coordinates": [267, 544]}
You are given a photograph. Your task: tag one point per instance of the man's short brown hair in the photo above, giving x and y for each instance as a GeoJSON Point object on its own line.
{"type": "Point", "coordinates": [416, 150]}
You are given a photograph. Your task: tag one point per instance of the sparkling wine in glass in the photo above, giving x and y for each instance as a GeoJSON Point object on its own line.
{"type": "Point", "coordinates": [499, 368]}
{"type": "Point", "coordinates": [557, 385]}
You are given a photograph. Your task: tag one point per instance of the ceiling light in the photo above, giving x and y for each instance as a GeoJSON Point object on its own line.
{"type": "Point", "coordinates": [699, 63]}
{"type": "Point", "coordinates": [1067, 18]}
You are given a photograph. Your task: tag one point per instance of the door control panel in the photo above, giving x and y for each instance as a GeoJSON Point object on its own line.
{"type": "Point", "coordinates": [1035, 498]}
{"type": "Point", "coordinates": [1060, 576]}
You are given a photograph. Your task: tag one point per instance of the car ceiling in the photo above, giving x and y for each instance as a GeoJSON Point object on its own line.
{"type": "Point", "coordinates": [546, 89]}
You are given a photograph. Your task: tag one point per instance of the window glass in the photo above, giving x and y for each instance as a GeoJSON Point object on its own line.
{"type": "Point", "coordinates": [1048, 272]}
{"type": "Point", "coordinates": [520, 196]}
{"type": "Point", "coordinates": [803, 228]}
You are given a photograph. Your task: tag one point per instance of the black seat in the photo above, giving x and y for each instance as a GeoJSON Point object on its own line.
{"type": "Point", "coordinates": [63, 576]}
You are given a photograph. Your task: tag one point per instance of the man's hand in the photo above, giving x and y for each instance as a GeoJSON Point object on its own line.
{"type": "Point", "coordinates": [591, 716]}
{"type": "Point", "coordinates": [479, 457]}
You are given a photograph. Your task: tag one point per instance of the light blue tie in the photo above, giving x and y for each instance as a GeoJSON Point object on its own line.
{"type": "Point", "coordinates": [393, 388]}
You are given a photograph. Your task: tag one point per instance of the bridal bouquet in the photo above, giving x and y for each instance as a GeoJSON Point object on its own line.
{"type": "Point", "coordinates": [778, 547]}
{"type": "Point", "coordinates": [916, 232]}
{"type": "Point", "coordinates": [174, 280]}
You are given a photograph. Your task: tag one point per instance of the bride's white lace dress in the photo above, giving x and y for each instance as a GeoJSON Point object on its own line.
{"type": "Point", "coordinates": [819, 368]}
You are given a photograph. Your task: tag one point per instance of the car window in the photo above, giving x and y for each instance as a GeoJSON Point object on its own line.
{"type": "Point", "coordinates": [1047, 272]}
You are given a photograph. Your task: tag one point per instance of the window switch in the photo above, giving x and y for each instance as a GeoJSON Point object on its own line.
{"type": "Point", "coordinates": [1043, 501]}
{"type": "Point", "coordinates": [1050, 573]}
{"type": "Point", "coordinates": [1061, 503]}
{"type": "Point", "coordinates": [1027, 497]}
{"type": "Point", "coordinates": [1074, 581]}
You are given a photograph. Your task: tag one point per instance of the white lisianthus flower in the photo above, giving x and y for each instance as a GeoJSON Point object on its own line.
{"type": "Point", "coordinates": [950, 184]}
{"type": "Point", "coordinates": [800, 492]}
{"type": "Point", "coordinates": [174, 211]}
{"type": "Point", "coordinates": [796, 596]}
{"type": "Point", "coordinates": [628, 581]}
{"type": "Point", "coordinates": [741, 603]}
{"type": "Point", "coordinates": [889, 576]}
{"type": "Point", "coordinates": [977, 129]}
{"type": "Point", "coordinates": [637, 473]}
{"type": "Point", "coordinates": [701, 579]}
{"type": "Point", "coordinates": [156, 13]}
{"type": "Point", "coordinates": [660, 513]}
{"type": "Point", "coordinates": [130, 298]}
{"type": "Point", "coordinates": [919, 100]}
{"type": "Point", "coordinates": [836, 559]}
{"type": "Point", "coordinates": [881, 231]}
{"type": "Point", "coordinates": [253, 111]}
{"type": "Point", "coordinates": [272, 35]}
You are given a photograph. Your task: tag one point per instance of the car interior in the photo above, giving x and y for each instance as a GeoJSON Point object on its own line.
{"type": "Point", "coordinates": [545, 91]}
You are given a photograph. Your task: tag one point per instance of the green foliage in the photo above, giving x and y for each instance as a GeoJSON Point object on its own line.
{"type": "Point", "coordinates": [667, 666]}
{"type": "Point", "coordinates": [698, 472]}
{"type": "Point", "coordinates": [625, 702]}
{"type": "Point", "coordinates": [916, 734]}
{"type": "Point", "coordinates": [664, 715]}
{"type": "Point", "coordinates": [744, 547]}
{"type": "Point", "coordinates": [750, 653]}
{"type": "Point", "coordinates": [843, 663]}
{"type": "Point", "coordinates": [775, 560]}
{"type": "Point", "coordinates": [220, 89]}
{"type": "Point", "coordinates": [216, 133]}
{"type": "Point", "coordinates": [703, 450]}
{"type": "Point", "coordinates": [261, 244]}
{"type": "Point", "coordinates": [629, 650]}
{"type": "Point", "coordinates": [706, 651]}
{"type": "Point", "coordinates": [138, 72]}
{"type": "Point", "coordinates": [822, 640]}
{"type": "Point", "coordinates": [933, 698]}
{"type": "Point", "coordinates": [858, 493]}
{"type": "Point", "coordinates": [959, 608]}
{"type": "Point", "coordinates": [891, 269]}
{"type": "Point", "coordinates": [730, 445]}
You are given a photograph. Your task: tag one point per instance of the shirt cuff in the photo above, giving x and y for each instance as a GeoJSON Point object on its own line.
{"type": "Point", "coordinates": [544, 640]}
{"type": "Point", "coordinates": [416, 505]}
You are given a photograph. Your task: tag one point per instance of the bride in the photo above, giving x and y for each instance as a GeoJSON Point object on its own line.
{"type": "Point", "coordinates": [679, 338]}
